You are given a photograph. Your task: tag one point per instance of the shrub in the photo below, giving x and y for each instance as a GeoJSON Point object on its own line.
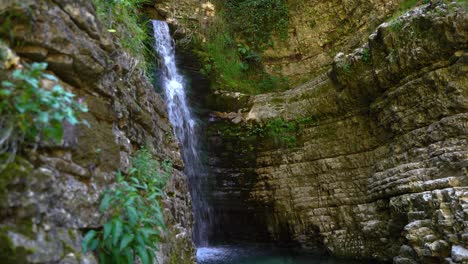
{"type": "Point", "coordinates": [233, 43]}
{"type": "Point", "coordinates": [404, 6]}
{"type": "Point", "coordinates": [29, 112]}
{"type": "Point", "coordinates": [396, 25]}
{"type": "Point", "coordinates": [257, 20]}
{"type": "Point", "coordinates": [235, 66]}
{"type": "Point", "coordinates": [282, 132]}
{"type": "Point", "coordinates": [136, 220]}
{"type": "Point", "coordinates": [366, 56]}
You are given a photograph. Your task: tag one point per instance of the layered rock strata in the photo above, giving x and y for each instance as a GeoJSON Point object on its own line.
{"type": "Point", "coordinates": [380, 168]}
{"type": "Point", "coordinates": [319, 29]}
{"type": "Point", "coordinates": [50, 197]}
{"type": "Point", "coordinates": [316, 30]}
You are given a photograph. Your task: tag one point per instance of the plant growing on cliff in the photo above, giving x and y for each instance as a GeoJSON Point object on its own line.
{"type": "Point", "coordinates": [230, 51]}
{"type": "Point", "coordinates": [122, 20]}
{"type": "Point", "coordinates": [136, 219]}
{"type": "Point", "coordinates": [235, 66]}
{"type": "Point", "coordinates": [281, 132]}
{"type": "Point", "coordinates": [365, 55]}
{"type": "Point", "coordinates": [406, 5]}
{"type": "Point", "coordinates": [257, 20]}
{"type": "Point", "coordinates": [30, 112]}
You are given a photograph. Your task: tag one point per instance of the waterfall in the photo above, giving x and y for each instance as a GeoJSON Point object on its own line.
{"type": "Point", "coordinates": [185, 128]}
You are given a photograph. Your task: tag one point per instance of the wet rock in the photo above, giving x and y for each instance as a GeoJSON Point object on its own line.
{"type": "Point", "coordinates": [33, 52]}
{"type": "Point", "coordinates": [379, 166]}
{"type": "Point", "coordinates": [459, 254]}
{"type": "Point", "coordinates": [51, 194]}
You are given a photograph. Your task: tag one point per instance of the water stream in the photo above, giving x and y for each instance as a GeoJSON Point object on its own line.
{"type": "Point", "coordinates": [264, 255]}
{"type": "Point", "coordinates": [185, 128]}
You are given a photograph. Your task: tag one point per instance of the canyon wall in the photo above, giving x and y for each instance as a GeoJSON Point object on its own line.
{"type": "Point", "coordinates": [378, 166]}
{"type": "Point", "coordinates": [317, 30]}
{"type": "Point", "coordinates": [50, 195]}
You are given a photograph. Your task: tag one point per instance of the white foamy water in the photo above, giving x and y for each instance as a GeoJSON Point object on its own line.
{"type": "Point", "coordinates": [185, 128]}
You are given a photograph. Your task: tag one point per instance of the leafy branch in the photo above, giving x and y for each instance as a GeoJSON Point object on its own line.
{"type": "Point", "coordinates": [136, 220]}
{"type": "Point", "coordinates": [30, 112]}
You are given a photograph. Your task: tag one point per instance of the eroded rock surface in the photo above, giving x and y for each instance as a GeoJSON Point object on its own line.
{"type": "Point", "coordinates": [51, 198]}
{"type": "Point", "coordinates": [380, 169]}
{"type": "Point", "coordinates": [319, 29]}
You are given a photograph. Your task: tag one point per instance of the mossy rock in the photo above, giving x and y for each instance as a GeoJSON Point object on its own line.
{"type": "Point", "coordinates": [225, 101]}
{"type": "Point", "coordinates": [18, 168]}
{"type": "Point", "coordinates": [9, 253]}
{"type": "Point", "coordinates": [97, 145]}
{"type": "Point", "coordinates": [180, 253]}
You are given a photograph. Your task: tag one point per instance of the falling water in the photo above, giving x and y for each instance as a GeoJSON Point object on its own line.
{"type": "Point", "coordinates": [185, 128]}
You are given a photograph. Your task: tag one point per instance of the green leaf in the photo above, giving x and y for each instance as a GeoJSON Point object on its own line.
{"type": "Point", "coordinates": [5, 92]}
{"type": "Point", "coordinates": [7, 84]}
{"type": "Point", "coordinates": [39, 65]}
{"type": "Point", "coordinates": [126, 239]}
{"type": "Point", "coordinates": [153, 196]}
{"type": "Point", "coordinates": [50, 77]}
{"type": "Point", "coordinates": [43, 117]}
{"type": "Point", "coordinates": [102, 257]}
{"type": "Point", "coordinates": [72, 120]}
{"type": "Point", "coordinates": [152, 256]}
{"type": "Point", "coordinates": [17, 74]}
{"type": "Point", "coordinates": [87, 240]}
{"type": "Point", "coordinates": [53, 132]}
{"type": "Point", "coordinates": [107, 198]}
{"type": "Point", "coordinates": [143, 255]}
{"type": "Point", "coordinates": [148, 232]}
{"type": "Point", "coordinates": [94, 244]}
{"type": "Point", "coordinates": [134, 179]}
{"type": "Point", "coordinates": [107, 229]}
{"type": "Point", "coordinates": [20, 108]}
{"type": "Point", "coordinates": [80, 105]}
{"type": "Point", "coordinates": [129, 255]}
{"type": "Point", "coordinates": [132, 215]}
{"type": "Point", "coordinates": [57, 89]}
{"type": "Point", "coordinates": [116, 231]}
{"type": "Point", "coordinates": [86, 123]}
{"type": "Point", "coordinates": [139, 239]}
{"type": "Point", "coordinates": [149, 221]}
{"type": "Point", "coordinates": [32, 81]}
{"type": "Point", "coordinates": [111, 30]}
{"type": "Point", "coordinates": [120, 177]}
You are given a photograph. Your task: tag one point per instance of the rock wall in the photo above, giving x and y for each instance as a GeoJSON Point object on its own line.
{"type": "Point", "coordinates": [317, 30]}
{"type": "Point", "coordinates": [381, 170]}
{"type": "Point", "coordinates": [187, 16]}
{"type": "Point", "coordinates": [50, 199]}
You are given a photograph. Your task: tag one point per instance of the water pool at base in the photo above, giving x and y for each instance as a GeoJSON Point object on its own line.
{"type": "Point", "coordinates": [241, 255]}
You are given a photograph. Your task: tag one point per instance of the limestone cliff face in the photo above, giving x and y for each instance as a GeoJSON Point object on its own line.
{"type": "Point", "coordinates": [381, 171]}
{"type": "Point", "coordinates": [189, 16]}
{"type": "Point", "coordinates": [52, 198]}
{"type": "Point", "coordinates": [318, 30]}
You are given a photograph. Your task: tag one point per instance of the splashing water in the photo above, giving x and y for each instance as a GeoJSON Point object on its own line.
{"type": "Point", "coordinates": [185, 128]}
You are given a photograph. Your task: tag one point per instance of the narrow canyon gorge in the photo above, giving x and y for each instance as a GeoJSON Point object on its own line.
{"type": "Point", "coordinates": [360, 153]}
